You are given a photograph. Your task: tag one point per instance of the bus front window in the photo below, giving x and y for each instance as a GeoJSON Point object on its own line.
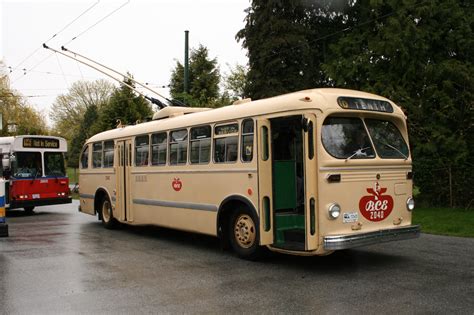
{"type": "Point", "coordinates": [54, 164]}
{"type": "Point", "coordinates": [27, 164]}
{"type": "Point", "coordinates": [387, 139]}
{"type": "Point", "coordinates": [346, 138]}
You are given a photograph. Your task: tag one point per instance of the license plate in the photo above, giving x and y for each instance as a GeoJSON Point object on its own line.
{"type": "Point", "coordinates": [35, 196]}
{"type": "Point", "coordinates": [350, 217]}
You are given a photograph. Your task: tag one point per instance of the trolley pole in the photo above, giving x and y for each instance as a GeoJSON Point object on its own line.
{"type": "Point", "coordinates": [3, 223]}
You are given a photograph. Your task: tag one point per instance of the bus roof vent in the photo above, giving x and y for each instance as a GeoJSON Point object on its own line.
{"type": "Point", "coordinates": [245, 100]}
{"type": "Point", "coordinates": [173, 111]}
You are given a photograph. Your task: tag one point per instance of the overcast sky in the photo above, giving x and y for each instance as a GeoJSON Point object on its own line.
{"type": "Point", "coordinates": [143, 37]}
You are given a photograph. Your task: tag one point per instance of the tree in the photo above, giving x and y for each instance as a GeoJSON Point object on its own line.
{"type": "Point", "coordinates": [279, 53]}
{"type": "Point", "coordinates": [68, 109]}
{"type": "Point", "coordinates": [204, 80]}
{"type": "Point", "coordinates": [87, 128]}
{"type": "Point", "coordinates": [421, 55]}
{"type": "Point", "coordinates": [15, 109]}
{"type": "Point", "coordinates": [235, 83]}
{"type": "Point", "coordinates": [125, 106]}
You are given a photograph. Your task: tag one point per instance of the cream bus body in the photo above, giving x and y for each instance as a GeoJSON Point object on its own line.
{"type": "Point", "coordinates": [302, 200]}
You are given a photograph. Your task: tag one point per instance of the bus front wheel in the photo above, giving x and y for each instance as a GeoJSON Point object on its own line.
{"type": "Point", "coordinates": [244, 235]}
{"type": "Point", "coordinates": [106, 214]}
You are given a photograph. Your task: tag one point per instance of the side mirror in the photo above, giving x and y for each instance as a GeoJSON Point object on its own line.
{"type": "Point", "coordinates": [6, 163]}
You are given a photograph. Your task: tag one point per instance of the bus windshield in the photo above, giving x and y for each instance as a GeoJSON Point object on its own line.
{"type": "Point", "coordinates": [54, 164]}
{"type": "Point", "coordinates": [387, 139]}
{"type": "Point", "coordinates": [346, 138]}
{"type": "Point", "coordinates": [27, 164]}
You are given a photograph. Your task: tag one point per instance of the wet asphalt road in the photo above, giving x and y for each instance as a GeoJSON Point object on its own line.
{"type": "Point", "coordinates": [62, 261]}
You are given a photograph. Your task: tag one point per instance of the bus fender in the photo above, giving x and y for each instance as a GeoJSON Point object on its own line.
{"type": "Point", "coordinates": [99, 195]}
{"type": "Point", "coordinates": [222, 217]}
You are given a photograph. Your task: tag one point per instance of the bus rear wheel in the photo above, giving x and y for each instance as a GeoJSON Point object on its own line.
{"type": "Point", "coordinates": [106, 214]}
{"type": "Point", "coordinates": [29, 209]}
{"type": "Point", "coordinates": [244, 234]}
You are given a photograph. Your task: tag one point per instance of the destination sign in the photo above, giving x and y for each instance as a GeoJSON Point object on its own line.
{"type": "Point", "coordinates": [41, 143]}
{"type": "Point", "coordinates": [226, 129]}
{"type": "Point", "coordinates": [365, 104]}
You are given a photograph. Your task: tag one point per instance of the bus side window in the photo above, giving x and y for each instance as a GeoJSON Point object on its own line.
{"type": "Point", "coordinates": [109, 153]}
{"type": "Point", "coordinates": [226, 143]}
{"type": "Point", "coordinates": [97, 155]}
{"type": "Point", "coordinates": [142, 149]}
{"type": "Point", "coordinates": [178, 147]}
{"type": "Point", "coordinates": [85, 157]}
{"type": "Point", "coordinates": [247, 140]}
{"type": "Point", "coordinates": [200, 144]}
{"type": "Point", "coordinates": [158, 148]}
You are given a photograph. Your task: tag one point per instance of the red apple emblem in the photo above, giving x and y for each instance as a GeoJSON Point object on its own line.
{"type": "Point", "coordinates": [376, 207]}
{"type": "Point", "coordinates": [176, 184]}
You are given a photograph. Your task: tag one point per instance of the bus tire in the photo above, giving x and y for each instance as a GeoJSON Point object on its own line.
{"type": "Point", "coordinates": [29, 209]}
{"type": "Point", "coordinates": [244, 234]}
{"type": "Point", "coordinates": [106, 214]}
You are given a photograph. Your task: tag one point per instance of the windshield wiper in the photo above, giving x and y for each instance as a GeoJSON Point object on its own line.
{"type": "Point", "coordinates": [358, 152]}
{"type": "Point", "coordinates": [394, 148]}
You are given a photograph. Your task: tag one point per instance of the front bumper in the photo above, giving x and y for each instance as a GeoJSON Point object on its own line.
{"type": "Point", "coordinates": [15, 204]}
{"type": "Point", "coordinates": [335, 242]}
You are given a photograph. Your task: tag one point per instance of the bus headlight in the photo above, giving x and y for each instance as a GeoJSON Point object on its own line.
{"type": "Point", "coordinates": [410, 204]}
{"type": "Point", "coordinates": [334, 211]}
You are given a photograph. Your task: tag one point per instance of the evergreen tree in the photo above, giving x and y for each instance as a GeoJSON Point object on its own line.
{"type": "Point", "coordinates": [87, 128]}
{"type": "Point", "coordinates": [204, 80]}
{"type": "Point", "coordinates": [420, 55]}
{"type": "Point", "coordinates": [125, 106]}
{"type": "Point", "coordinates": [276, 36]}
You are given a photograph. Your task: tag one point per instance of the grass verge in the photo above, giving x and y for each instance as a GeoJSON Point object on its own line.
{"type": "Point", "coordinates": [445, 221]}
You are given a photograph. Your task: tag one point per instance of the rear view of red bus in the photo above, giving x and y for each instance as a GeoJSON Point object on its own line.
{"type": "Point", "coordinates": [34, 169]}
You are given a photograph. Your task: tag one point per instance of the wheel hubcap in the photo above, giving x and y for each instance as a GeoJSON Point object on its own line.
{"type": "Point", "coordinates": [244, 231]}
{"type": "Point", "coordinates": [106, 211]}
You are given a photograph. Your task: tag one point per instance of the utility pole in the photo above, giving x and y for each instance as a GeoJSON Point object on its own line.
{"type": "Point", "coordinates": [186, 61]}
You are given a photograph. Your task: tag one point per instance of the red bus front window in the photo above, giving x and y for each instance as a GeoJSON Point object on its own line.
{"type": "Point", "coordinates": [54, 164]}
{"type": "Point", "coordinates": [27, 164]}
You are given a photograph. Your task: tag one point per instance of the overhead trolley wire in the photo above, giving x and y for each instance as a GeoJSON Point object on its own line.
{"type": "Point", "coordinates": [98, 22]}
{"type": "Point", "coordinates": [60, 31]}
{"type": "Point", "coordinates": [75, 37]}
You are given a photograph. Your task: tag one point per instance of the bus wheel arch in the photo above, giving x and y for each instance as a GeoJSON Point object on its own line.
{"type": "Point", "coordinates": [103, 207]}
{"type": "Point", "coordinates": [236, 208]}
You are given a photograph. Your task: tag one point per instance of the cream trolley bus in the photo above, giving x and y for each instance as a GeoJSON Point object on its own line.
{"type": "Point", "coordinates": [304, 173]}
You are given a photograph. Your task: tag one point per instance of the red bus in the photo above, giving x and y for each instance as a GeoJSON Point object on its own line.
{"type": "Point", "coordinates": [33, 167]}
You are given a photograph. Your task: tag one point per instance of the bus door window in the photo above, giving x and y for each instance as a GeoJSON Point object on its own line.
{"type": "Point", "coordinates": [200, 145]}
{"type": "Point", "coordinates": [54, 164]}
{"type": "Point", "coordinates": [142, 149]}
{"type": "Point", "coordinates": [287, 152]}
{"type": "Point", "coordinates": [27, 164]}
{"type": "Point", "coordinates": [108, 153]}
{"type": "Point", "coordinates": [226, 143]}
{"type": "Point", "coordinates": [158, 148]}
{"type": "Point", "coordinates": [178, 147]}
{"type": "Point", "coordinates": [97, 155]}
{"type": "Point", "coordinates": [247, 140]}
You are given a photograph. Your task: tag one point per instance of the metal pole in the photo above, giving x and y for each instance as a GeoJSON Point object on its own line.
{"type": "Point", "coordinates": [186, 61]}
